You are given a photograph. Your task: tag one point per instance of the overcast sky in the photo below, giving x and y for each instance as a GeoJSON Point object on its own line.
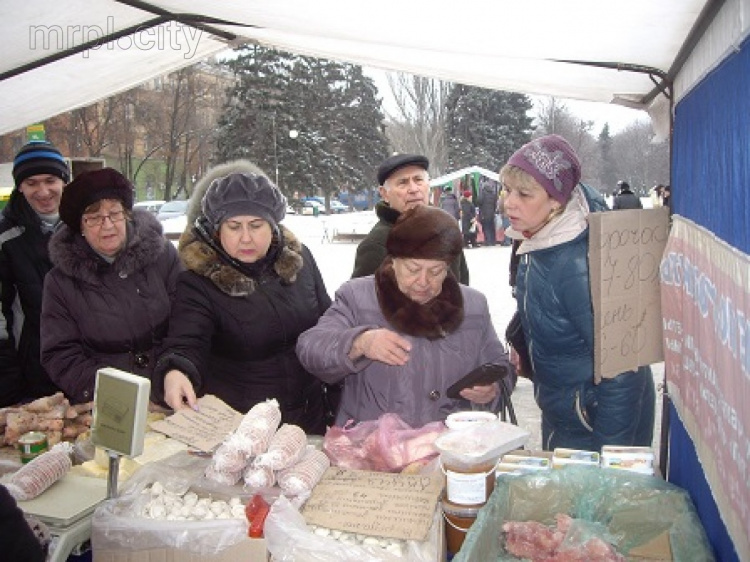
{"type": "Point", "coordinates": [618, 117]}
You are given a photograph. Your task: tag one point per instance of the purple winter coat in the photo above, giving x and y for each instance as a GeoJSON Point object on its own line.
{"type": "Point", "coordinates": [96, 314]}
{"type": "Point", "coordinates": [416, 391]}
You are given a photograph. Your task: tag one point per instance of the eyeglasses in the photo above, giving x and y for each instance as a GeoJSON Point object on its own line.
{"type": "Point", "coordinates": [98, 220]}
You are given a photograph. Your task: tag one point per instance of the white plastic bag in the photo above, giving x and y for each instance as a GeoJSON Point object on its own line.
{"type": "Point", "coordinates": [118, 526]}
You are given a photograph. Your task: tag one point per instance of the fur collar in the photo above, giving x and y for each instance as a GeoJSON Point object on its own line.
{"type": "Point", "coordinates": [72, 254]}
{"type": "Point", "coordinates": [386, 213]}
{"type": "Point", "coordinates": [434, 320]}
{"type": "Point", "coordinates": [200, 258]}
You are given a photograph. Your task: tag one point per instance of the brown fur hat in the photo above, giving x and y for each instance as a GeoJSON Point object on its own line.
{"type": "Point", "coordinates": [88, 188]}
{"type": "Point", "coordinates": [425, 232]}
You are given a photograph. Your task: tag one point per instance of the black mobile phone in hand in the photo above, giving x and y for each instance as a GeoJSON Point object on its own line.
{"type": "Point", "coordinates": [481, 376]}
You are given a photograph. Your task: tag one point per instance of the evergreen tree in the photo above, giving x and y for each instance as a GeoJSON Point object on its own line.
{"type": "Point", "coordinates": [485, 126]}
{"type": "Point", "coordinates": [314, 125]}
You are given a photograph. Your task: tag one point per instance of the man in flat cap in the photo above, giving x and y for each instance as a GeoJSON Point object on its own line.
{"type": "Point", "coordinates": [404, 183]}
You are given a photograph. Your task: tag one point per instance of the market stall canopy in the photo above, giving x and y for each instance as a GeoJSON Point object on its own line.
{"type": "Point", "coordinates": [60, 55]}
{"type": "Point", "coordinates": [458, 174]}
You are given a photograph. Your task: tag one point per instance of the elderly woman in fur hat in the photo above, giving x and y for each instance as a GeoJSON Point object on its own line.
{"type": "Point", "coordinates": [107, 300]}
{"type": "Point", "coordinates": [250, 289]}
{"type": "Point", "coordinates": [400, 338]}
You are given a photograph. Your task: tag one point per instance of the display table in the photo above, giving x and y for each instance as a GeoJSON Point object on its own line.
{"type": "Point", "coordinates": [66, 508]}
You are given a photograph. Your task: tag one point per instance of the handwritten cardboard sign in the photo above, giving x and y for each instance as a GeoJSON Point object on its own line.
{"type": "Point", "coordinates": [625, 250]}
{"type": "Point", "coordinates": [382, 504]}
{"type": "Point", "coordinates": [203, 429]}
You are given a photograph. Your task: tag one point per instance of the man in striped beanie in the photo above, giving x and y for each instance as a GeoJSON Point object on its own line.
{"type": "Point", "coordinates": [31, 216]}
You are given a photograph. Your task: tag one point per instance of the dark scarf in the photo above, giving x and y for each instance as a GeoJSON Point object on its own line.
{"type": "Point", "coordinates": [258, 269]}
{"type": "Point", "coordinates": [434, 320]}
{"type": "Point", "coordinates": [203, 254]}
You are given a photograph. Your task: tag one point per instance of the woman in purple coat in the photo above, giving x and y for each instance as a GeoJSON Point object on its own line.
{"type": "Point", "coordinates": [398, 339]}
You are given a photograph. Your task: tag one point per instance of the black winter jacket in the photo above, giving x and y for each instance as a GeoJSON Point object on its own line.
{"type": "Point", "coordinates": [627, 200]}
{"type": "Point", "coordinates": [234, 335]}
{"type": "Point", "coordinates": [24, 262]}
{"type": "Point", "coordinates": [96, 314]}
{"type": "Point", "coordinates": [371, 251]}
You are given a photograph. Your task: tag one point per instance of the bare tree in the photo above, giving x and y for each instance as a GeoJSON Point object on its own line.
{"type": "Point", "coordinates": [554, 117]}
{"type": "Point", "coordinates": [419, 123]}
{"type": "Point", "coordinates": [641, 161]}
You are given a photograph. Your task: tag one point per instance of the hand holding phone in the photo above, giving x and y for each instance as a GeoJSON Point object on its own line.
{"type": "Point", "coordinates": [481, 376]}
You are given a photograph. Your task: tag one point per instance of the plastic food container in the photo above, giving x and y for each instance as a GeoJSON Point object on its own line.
{"type": "Point", "coordinates": [463, 420]}
{"type": "Point", "coordinates": [458, 519]}
{"type": "Point", "coordinates": [468, 458]}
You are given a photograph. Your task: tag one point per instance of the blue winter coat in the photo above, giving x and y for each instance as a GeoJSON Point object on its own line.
{"type": "Point", "coordinates": [554, 299]}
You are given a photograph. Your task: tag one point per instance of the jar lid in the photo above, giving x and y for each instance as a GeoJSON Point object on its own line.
{"type": "Point", "coordinates": [462, 420]}
{"type": "Point", "coordinates": [456, 510]}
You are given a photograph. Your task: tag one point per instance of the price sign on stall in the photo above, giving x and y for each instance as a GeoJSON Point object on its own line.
{"type": "Point", "coordinates": [625, 251]}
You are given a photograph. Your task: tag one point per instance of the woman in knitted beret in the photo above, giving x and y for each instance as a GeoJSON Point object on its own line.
{"type": "Point", "coordinates": [107, 300]}
{"type": "Point", "coordinates": [399, 339]}
{"type": "Point", "coordinates": [251, 287]}
{"type": "Point", "coordinates": [548, 210]}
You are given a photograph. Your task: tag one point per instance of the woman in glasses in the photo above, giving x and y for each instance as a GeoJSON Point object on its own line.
{"type": "Point", "coordinates": [107, 300]}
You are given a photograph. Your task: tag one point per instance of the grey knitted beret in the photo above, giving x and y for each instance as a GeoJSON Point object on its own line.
{"type": "Point", "coordinates": [243, 194]}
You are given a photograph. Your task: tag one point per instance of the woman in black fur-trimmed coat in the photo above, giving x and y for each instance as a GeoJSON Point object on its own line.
{"type": "Point", "coordinates": [249, 290]}
{"type": "Point", "coordinates": [106, 303]}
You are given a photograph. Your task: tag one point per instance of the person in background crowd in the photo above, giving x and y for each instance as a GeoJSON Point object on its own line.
{"type": "Point", "coordinates": [488, 200]}
{"type": "Point", "coordinates": [468, 220]}
{"type": "Point", "coordinates": [450, 203]}
{"type": "Point", "coordinates": [655, 195]}
{"type": "Point", "coordinates": [251, 287]}
{"type": "Point", "coordinates": [666, 197]}
{"type": "Point", "coordinates": [107, 300]}
{"type": "Point", "coordinates": [625, 198]}
{"type": "Point", "coordinates": [548, 209]}
{"type": "Point", "coordinates": [404, 183]}
{"type": "Point", "coordinates": [28, 221]}
{"type": "Point", "coordinates": [400, 338]}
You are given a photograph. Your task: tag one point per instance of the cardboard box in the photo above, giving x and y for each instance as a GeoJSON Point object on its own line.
{"type": "Point", "coordinates": [649, 518]}
{"type": "Point", "coordinates": [249, 550]}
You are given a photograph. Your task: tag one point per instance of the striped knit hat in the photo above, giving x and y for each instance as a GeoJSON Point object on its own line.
{"type": "Point", "coordinates": [39, 157]}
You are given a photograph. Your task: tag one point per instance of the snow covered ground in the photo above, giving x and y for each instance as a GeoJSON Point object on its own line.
{"type": "Point", "coordinates": [488, 271]}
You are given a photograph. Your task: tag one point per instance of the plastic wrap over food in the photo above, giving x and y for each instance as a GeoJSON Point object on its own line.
{"type": "Point", "coordinates": [481, 443]}
{"type": "Point", "coordinates": [583, 509]}
{"type": "Point", "coordinates": [387, 444]}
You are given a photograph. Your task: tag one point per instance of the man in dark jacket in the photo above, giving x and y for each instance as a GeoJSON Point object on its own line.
{"type": "Point", "coordinates": [28, 221]}
{"type": "Point", "coordinates": [489, 193]}
{"type": "Point", "coordinates": [449, 203]}
{"type": "Point", "coordinates": [404, 183]}
{"type": "Point", "coordinates": [626, 199]}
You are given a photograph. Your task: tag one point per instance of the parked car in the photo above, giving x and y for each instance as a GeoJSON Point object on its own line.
{"type": "Point", "coordinates": [338, 207]}
{"type": "Point", "coordinates": [290, 210]}
{"type": "Point", "coordinates": [311, 207]}
{"type": "Point", "coordinates": [172, 209]}
{"type": "Point", "coordinates": [151, 206]}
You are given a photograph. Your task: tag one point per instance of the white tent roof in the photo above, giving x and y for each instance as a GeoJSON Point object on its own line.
{"type": "Point", "coordinates": [461, 173]}
{"type": "Point", "coordinates": [501, 44]}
